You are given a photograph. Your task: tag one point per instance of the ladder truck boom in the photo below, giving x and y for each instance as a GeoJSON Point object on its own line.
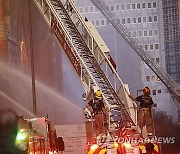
{"type": "Point", "coordinates": [172, 86]}
{"type": "Point", "coordinates": [91, 64]}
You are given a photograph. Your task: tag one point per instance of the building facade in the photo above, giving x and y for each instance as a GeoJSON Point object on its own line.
{"type": "Point", "coordinates": [144, 19]}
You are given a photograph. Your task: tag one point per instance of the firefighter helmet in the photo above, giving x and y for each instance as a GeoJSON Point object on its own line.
{"type": "Point", "coordinates": [146, 91]}
{"type": "Point", "coordinates": [98, 94]}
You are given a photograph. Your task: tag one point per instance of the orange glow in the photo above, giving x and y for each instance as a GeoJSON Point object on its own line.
{"type": "Point", "coordinates": [116, 145]}
{"type": "Point", "coordinates": [127, 145]}
{"type": "Point", "coordinates": [94, 147]}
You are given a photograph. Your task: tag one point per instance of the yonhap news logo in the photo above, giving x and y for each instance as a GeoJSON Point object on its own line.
{"type": "Point", "coordinates": [158, 140]}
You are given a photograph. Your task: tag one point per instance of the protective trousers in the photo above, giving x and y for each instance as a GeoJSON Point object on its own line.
{"type": "Point", "coordinates": [99, 123]}
{"type": "Point", "coordinates": [145, 119]}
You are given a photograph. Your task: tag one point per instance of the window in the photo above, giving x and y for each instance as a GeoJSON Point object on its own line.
{"type": "Point", "coordinates": [156, 32]}
{"type": "Point", "coordinates": [86, 9]}
{"type": "Point", "coordinates": [118, 21]}
{"type": "Point", "coordinates": [123, 21]}
{"type": "Point", "coordinates": [147, 78]}
{"type": "Point", "coordinates": [145, 33]}
{"type": "Point", "coordinates": [102, 22]}
{"type": "Point", "coordinates": [144, 19]}
{"type": "Point", "coordinates": [149, 5]}
{"type": "Point", "coordinates": [97, 22]}
{"type": "Point", "coordinates": [81, 10]}
{"type": "Point", "coordinates": [153, 78]}
{"type": "Point", "coordinates": [151, 46]}
{"type": "Point", "coordinates": [133, 6]}
{"type": "Point", "coordinates": [139, 19]}
{"type": "Point", "coordinates": [134, 34]}
{"type": "Point", "coordinates": [91, 9]}
{"type": "Point", "coordinates": [150, 19]}
{"type": "Point", "coordinates": [107, 22]}
{"type": "Point", "coordinates": [156, 46]}
{"type": "Point", "coordinates": [150, 33]}
{"type": "Point", "coordinates": [134, 20]}
{"type": "Point", "coordinates": [128, 6]}
{"type": "Point", "coordinates": [138, 6]}
{"type": "Point", "coordinates": [154, 92]}
{"type": "Point", "coordinates": [140, 33]}
{"type": "Point", "coordinates": [96, 10]}
{"type": "Point", "coordinates": [154, 4]}
{"type": "Point", "coordinates": [128, 20]}
{"type": "Point", "coordinates": [159, 91]}
{"type": "Point", "coordinates": [157, 60]}
{"type": "Point", "coordinates": [117, 7]}
{"type": "Point", "coordinates": [122, 7]}
{"type": "Point", "coordinates": [155, 19]}
{"type": "Point", "coordinates": [112, 8]}
{"type": "Point", "coordinates": [146, 46]}
{"type": "Point", "coordinates": [143, 5]}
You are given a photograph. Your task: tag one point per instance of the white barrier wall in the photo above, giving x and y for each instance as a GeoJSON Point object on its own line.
{"type": "Point", "coordinates": [74, 137]}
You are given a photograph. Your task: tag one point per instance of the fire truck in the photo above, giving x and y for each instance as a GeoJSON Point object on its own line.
{"type": "Point", "coordinates": [37, 136]}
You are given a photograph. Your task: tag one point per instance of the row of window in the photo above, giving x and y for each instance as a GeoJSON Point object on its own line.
{"type": "Point", "coordinates": [145, 33]}
{"type": "Point", "coordinates": [154, 92]}
{"type": "Point", "coordinates": [138, 20]}
{"type": "Point", "coordinates": [149, 19]}
{"type": "Point", "coordinates": [121, 7]}
{"type": "Point", "coordinates": [152, 78]}
{"type": "Point", "coordinates": [151, 46]}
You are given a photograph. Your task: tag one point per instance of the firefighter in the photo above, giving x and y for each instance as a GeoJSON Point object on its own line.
{"type": "Point", "coordinates": [96, 107]}
{"type": "Point", "coordinates": [144, 116]}
{"type": "Point", "coordinates": [8, 132]}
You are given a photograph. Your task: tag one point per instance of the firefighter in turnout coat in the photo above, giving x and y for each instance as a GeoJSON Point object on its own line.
{"type": "Point", "coordinates": [96, 107]}
{"type": "Point", "coordinates": [144, 116]}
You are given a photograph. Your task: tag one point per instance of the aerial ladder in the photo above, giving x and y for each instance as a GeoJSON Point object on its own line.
{"type": "Point", "coordinates": [92, 65]}
{"type": "Point", "coordinates": [171, 85]}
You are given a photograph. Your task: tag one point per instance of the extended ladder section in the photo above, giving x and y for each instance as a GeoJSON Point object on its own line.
{"type": "Point", "coordinates": [88, 60]}
{"type": "Point", "coordinates": [124, 32]}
